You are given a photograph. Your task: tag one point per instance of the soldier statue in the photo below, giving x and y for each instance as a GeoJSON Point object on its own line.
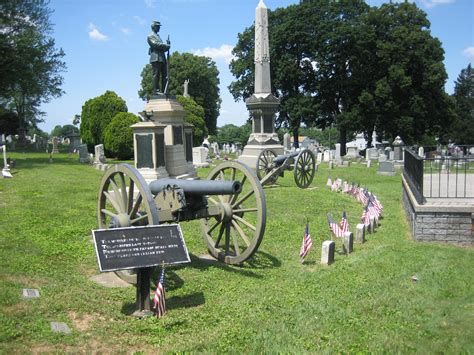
{"type": "Point", "coordinates": [158, 59]}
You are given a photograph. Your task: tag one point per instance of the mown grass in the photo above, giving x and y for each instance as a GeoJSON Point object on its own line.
{"type": "Point", "coordinates": [364, 302]}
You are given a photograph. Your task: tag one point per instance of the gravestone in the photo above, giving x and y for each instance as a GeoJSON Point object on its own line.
{"type": "Point", "coordinates": [387, 152]}
{"type": "Point", "coordinates": [84, 154]}
{"type": "Point", "coordinates": [6, 167]}
{"type": "Point", "coordinates": [386, 168]}
{"type": "Point", "coordinates": [331, 164]}
{"type": "Point", "coordinates": [287, 142]}
{"type": "Point", "coordinates": [352, 152]}
{"type": "Point", "coordinates": [55, 145]}
{"type": "Point", "coordinates": [347, 242]}
{"type": "Point", "coordinates": [326, 156]}
{"type": "Point", "coordinates": [319, 157]}
{"type": "Point", "coordinates": [99, 157]}
{"type": "Point", "coordinates": [200, 157]}
{"type": "Point", "coordinates": [327, 252]}
{"type": "Point", "coordinates": [337, 154]}
{"type": "Point", "coordinates": [60, 327]}
{"type": "Point", "coordinates": [421, 152]}
{"type": "Point", "coordinates": [369, 163]}
{"type": "Point", "coordinates": [30, 293]}
{"type": "Point", "coordinates": [398, 148]}
{"type": "Point", "coordinates": [360, 233]}
{"type": "Point", "coordinates": [372, 224]}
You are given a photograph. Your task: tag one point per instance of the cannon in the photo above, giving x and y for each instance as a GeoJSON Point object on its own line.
{"type": "Point", "coordinates": [270, 166]}
{"type": "Point", "coordinates": [230, 205]}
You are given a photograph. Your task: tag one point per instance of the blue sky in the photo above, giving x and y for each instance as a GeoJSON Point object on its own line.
{"type": "Point", "coordinates": [106, 48]}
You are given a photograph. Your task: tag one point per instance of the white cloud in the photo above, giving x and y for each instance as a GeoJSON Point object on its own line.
{"type": "Point", "coordinates": [224, 52]}
{"type": "Point", "coordinates": [126, 31]}
{"type": "Point", "coordinates": [150, 3]}
{"type": "Point", "coordinates": [469, 52]}
{"type": "Point", "coordinates": [432, 3]}
{"type": "Point", "coordinates": [139, 20]}
{"type": "Point", "coordinates": [95, 34]}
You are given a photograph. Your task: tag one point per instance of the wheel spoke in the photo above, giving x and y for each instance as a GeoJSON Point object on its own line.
{"type": "Point", "coordinates": [107, 212]}
{"type": "Point", "coordinates": [236, 242]}
{"type": "Point", "coordinates": [241, 210]}
{"type": "Point", "coordinates": [138, 219]}
{"type": "Point", "coordinates": [241, 233]}
{"type": "Point", "coordinates": [213, 227]}
{"type": "Point", "coordinates": [219, 237]}
{"type": "Point", "coordinates": [123, 187]}
{"type": "Point", "coordinates": [243, 198]}
{"type": "Point", "coordinates": [118, 195]}
{"type": "Point", "coordinates": [112, 200]}
{"type": "Point", "coordinates": [241, 220]}
{"type": "Point", "coordinates": [136, 206]}
{"type": "Point", "coordinates": [234, 197]}
{"type": "Point", "coordinates": [212, 200]}
{"type": "Point", "coordinates": [227, 238]}
{"type": "Point", "coordinates": [130, 195]}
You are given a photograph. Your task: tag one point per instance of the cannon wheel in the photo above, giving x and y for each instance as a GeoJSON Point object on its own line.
{"type": "Point", "coordinates": [235, 235]}
{"type": "Point", "coordinates": [265, 165]}
{"type": "Point", "coordinates": [304, 168]}
{"type": "Point", "coordinates": [125, 200]}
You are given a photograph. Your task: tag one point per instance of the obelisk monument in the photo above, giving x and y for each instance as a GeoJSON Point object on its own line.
{"type": "Point", "coordinates": [262, 105]}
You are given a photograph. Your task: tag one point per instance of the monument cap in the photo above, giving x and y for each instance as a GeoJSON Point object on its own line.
{"type": "Point", "coordinates": [156, 23]}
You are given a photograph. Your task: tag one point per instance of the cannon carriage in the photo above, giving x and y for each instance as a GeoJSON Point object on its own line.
{"type": "Point", "coordinates": [230, 205]}
{"type": "Point", "coordinates": [270, 166]}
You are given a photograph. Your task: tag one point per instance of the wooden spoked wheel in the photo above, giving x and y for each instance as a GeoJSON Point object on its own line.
{"type": "Point", "coordinates": [235, 235]}
{"type": "Point", "coordinates": [304, 168]}
{"type": "Point", "coordinates": [125, 200]}
{"type": "Point", "coordinates": [265, 165]}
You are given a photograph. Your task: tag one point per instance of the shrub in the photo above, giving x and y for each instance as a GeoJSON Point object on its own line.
{"type": "Point", "coordinates": [118, 136]}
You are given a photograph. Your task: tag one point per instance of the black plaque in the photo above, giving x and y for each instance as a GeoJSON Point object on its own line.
{"type": "Point", "coordinates": [139, 247]}
{"type": "Point", "coordinates": [144, 151]}
{"type": "Point", "coordinates": [189, 146]}
{"type": "Point", "coordinates": [177, 135]}
{"type": "Point", "coordinates": [160, 149]}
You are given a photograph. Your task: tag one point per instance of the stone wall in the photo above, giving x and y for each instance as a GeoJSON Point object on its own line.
{"type": "Point", "coordinates": [450, 224]}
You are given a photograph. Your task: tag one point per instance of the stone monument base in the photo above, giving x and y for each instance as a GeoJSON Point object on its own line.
{"type": "Point", "coordinates": [252, 151]}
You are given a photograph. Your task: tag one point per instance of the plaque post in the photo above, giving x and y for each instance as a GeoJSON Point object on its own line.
{"type": "Point", "coordinates": [143, 302]}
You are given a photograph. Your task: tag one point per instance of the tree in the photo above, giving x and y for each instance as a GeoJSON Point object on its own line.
{"type": "Point", "coordinates": [96, 114]}
{"type": "Point", "coordinates": [64, 131]}
{"type": "Point", "coordinates": [118, 135]}
{"type": "Point", "coordinates": [462, 131]}
{"type": "Point", "coordinates": [8, 122]}
{"type": "Point", "coordinates": [229, 133]}
{"type": "Point", "coordinates": [195, 116]}
{"type": "Point", "coordinates": [30, 65]}
{"type": "Point", "coordinates": [203, 86]}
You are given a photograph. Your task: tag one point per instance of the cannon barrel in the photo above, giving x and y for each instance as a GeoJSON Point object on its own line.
{"type": "Point", "coordinates": [198, 187]}
{"type": "Point", "coordinates": [279, 159]}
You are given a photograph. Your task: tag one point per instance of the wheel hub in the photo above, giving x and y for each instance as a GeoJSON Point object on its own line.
{"type": "Point", "coordinates": [122, 220]}
{"type": "Point", "coordinates": [226, 212]}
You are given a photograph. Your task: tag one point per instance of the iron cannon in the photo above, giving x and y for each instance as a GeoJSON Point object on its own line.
{"type": "Point", "coordinates": [270, 166]}
{"type": "Point", "coordinates": [230, 205]}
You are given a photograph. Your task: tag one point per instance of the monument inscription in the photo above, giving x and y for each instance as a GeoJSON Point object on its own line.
{"type": "Point", "coordinates": [139, 247]}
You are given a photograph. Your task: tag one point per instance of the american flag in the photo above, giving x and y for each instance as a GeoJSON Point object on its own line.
{"type": "Point", "coordinates": [365, 219]}
{"type": "Point", "coordinates": [329, 183]}
{"type": "Point", "coordinates": [159, 299]}
{"type": "Point", "coordinates": [377, 203]}
{"type": "Point", "coordinates": [346, 187]}
{"type": "Point", "coordinates": [307, 243]}
{"type": "Point", "coordinates": [344, 223]}
{"type": "Point", "coordinates": [355, 190]}
{"type": "Point", "coordinates": [363, 196]}
{"type": "Point", "coordinates": [373, 211]}
{"type": "Point", "coordinates": [334, 227]}
{"type": "Point", "coordinates": [336, 185]}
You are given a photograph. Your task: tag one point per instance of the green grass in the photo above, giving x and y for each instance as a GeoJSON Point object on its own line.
{"type": "Point", "coordinates": [364, 302]}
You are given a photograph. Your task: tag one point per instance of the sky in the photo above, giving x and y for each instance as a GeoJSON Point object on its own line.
{"type": "Point", "coordinates": [106, 48]}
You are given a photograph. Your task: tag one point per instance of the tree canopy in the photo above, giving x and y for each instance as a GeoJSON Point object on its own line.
{"type": "Point", "coordinates": [203, 77]}
{"type": "Point", "coordinates": [64, 131]}
{"type": "Point", "coordinates": [96, 114]}
{"type": "Point", "coordinates": [351, 66]}
{"type": "Point", "coordinates": [462, 131]}
{"type": "Point", "coordinates": [30, 65]}
{"type": "Point", "coordinates": [118, 135]}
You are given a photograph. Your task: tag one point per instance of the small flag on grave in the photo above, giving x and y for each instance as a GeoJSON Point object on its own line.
{"type": "Point", "coordinates": [159, 299]}
{"type": "Point", "coordinates": [307, 243]}
{"type": "Point", "coordinates": [344, 223]}
{"type": "Point", "coordinates": [334, 227]}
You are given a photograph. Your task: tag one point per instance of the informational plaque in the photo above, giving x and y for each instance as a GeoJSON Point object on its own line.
{"type": "Point", "coordinates": [139, 247]}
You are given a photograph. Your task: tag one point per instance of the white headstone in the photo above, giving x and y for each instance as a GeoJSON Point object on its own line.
{"type": "Point", "coordinates": [287, 141]}
{"type": "Point", "coordinates": [327, 252]}
{"type": "Point", "coordinates": [360, 233]}
{"type": "Point", "coordinates": [99, 157]}
{"type": "Point", "coordinates": [347, 242]}
{"type": "Point", "coordinates": [200, 157]}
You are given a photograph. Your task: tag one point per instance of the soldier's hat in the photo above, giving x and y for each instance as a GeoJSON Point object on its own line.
{"type": "Point", "coordinates": [156, 23]}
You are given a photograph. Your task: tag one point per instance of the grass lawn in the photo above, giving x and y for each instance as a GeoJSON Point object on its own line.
{"type": "Point", "coordinates": [364, 302]}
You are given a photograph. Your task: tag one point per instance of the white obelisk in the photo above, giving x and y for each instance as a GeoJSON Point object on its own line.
{"type": "Point", "coordinates": [262, 105]}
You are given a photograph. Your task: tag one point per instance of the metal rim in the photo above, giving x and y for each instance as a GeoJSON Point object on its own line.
{"type": "Point", "coordinates": [304, 168]}
{"type": "Point", "coordinates": [265, 165]}
{"type": "Point", "coordinates": [125, 200]}
{"type": "Point", "coordinates": [236, 235]}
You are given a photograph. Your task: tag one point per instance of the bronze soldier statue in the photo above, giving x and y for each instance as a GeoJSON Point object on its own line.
{"type": "Point", "coordinates": [158, 59]}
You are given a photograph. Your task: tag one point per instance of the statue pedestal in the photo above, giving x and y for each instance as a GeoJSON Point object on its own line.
{"type": "Point", "coordinates": [163, 145]}
{"type": "Point", "coordinates": [262, 108]}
